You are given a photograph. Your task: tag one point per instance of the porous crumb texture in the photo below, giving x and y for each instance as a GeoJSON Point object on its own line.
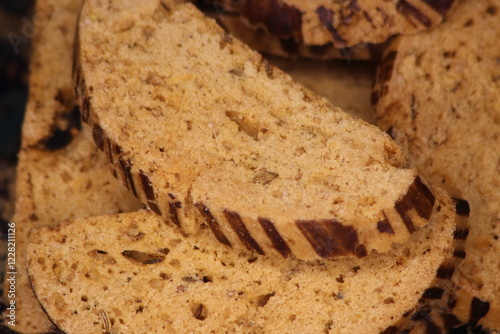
{"type": "Point", "coordinates": [342, 23]}
{"type": "Point", "coordinates": [50, 87]}
{"type": "Point", "coordinates": [52, 187]}
{"type": "Point", "coordinates": [437, 93]}
{"type": "Point", "coordinates": [345, 84]}
{"type": "Point", "coordinates": [222, 136]}
{"type": "Point", "coordinates": [67, 183]}
{"type": "Point", "coordinates": [132, 273]}
{"type": "Point", "coordinates": [258, 39]}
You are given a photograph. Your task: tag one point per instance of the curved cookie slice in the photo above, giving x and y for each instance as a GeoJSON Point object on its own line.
{"type": "Point", "coordinates": [433, 314]}
{"type": "Point", "coordinates": [437, 93]}
{"type": "Point", "coordinates": [132, 273]}
{"type": "Point", "coordinates": [342, 23]}
{"type": "Point", "coordinates": [56, 182]}
{"type": "Point", "coordinates": [52, 186]}
{"type": "Point", "coordinates": [269, 44]}
{"type": "Point", "coordinates": [198, 125]}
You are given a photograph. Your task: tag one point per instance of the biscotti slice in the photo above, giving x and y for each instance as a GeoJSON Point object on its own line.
{"type": "Point", "coordinates": [52, 185]}
{"type": "Point", "coordinates": [132, 273]}
{"type": "Point", "coordinates": [437, 93]}
{"type": "Point", "coordinates": [433, 314]}
{"type": "Point", "coordinates": [222, 136]}
{"type": "Point", "coordinates": [261, 41]}
{"type": "Point", "coordinates": [342, 23]}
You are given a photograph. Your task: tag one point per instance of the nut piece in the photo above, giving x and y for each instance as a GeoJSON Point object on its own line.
{"type": "Point", "coordinates": [264, 177]}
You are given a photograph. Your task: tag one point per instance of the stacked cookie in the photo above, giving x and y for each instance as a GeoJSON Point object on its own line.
{"type": "Point", "coordinates": [269, 209]}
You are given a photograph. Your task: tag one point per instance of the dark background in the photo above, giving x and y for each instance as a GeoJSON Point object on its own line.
{"type": "Point", "coordinates": [15, 46]}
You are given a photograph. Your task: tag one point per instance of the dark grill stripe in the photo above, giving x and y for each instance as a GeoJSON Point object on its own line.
{"type": "Point", "coordinates": [85, 108]}
{"type": "Point", "coordinates": [386, 67]}
{"type": "Point", "coordinates": [384, 226]}
{"type": "Point", "coordinates": [109, 151]}
{"type": "Point", "coordinates": [241, 231]}
{"type": "Point", "coordinates": [154, 207]}
{"type": "Point", "coordinates": [174, 215]}
{"type": "Point", "coordinates": [440, 6]}
{"type": "Point", "coordinates": [459, 253]}
{"type": "Point", "coordinates": [390, 330]}
{"type": "Point", "coordinates": [326, 17]}
{"type": "Point", "coordinates": [461, 234]}
{"type": "Point", "coordinates": [408, 10]}
{"type": "Point", "coordinates": [462, 207]}
{"type": "Point", "coordinates": [275, 237]}
{"type": "Point", "coordinates": [127, 173]}
{"type": "Point", "coordinates": [445, 272]}
{"type": "Point", "coordinates": [424, 199]}
{"type": "Point", "coordinates": [478, 309]}
{"type": "Point", "coordinates": [418, 197]}
{"type": "Point", "coordinates": [213, 224]}
{"type": "Point", "coordinates": [98, 135]}
{"type": "Point", "coordinates": [433, 293]}
{"type": "Point", "coordinates": [450, 321]}
{"type": "Point", "coordinates": [329, 238]}
{"type": "Point", "coordinates": [147, 186]}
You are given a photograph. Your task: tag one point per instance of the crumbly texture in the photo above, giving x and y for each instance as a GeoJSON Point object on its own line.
{"type": "Point", "coordinates": [68, 183]}
{"type": "Point", "coordinates": [342, 23]}
{"type": "Point", "coordinates": [437, 93]}
{"type": "Point", "coordinates": [132, 273]}
{"type": "Point", "coordinates": [51, 187]}
{"type": "Point", "coordinates": [345, 84]}
{"type": "Point", "coordinates": [266, 163]}
{"type": "Point", "coordinates": [258, 39]}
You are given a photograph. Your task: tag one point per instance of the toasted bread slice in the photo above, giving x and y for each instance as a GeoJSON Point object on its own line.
{"type": "Point", "coordinates": [342, 23]}
{"type": "Point", "coordinates": [55, 182]}
{"type": "Point", "coordinates": [221, 136]}
{"type": "Point", "coordinates": [437, 93]}
{"type": "Point", "coordinates": [268, 44]}
{"type": "Point", "coordinates": [133, 273]}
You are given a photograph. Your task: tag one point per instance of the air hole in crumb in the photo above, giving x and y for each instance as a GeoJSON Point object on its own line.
{"type": "Point", "coordinates": [164, 275]}
{"type": "Point", "coordinates": [252, 259]}
{"type": "Point", "coordinates": [469, 23]}
{"type": "Point", "coordinates": [244, 125]}
{"type": "Point", "coordinates": [263, 299]}
{"type": "Point", "coordinates": [492, 10]}
{"type": "Point", "coordinates": [101, 256]}
{"type": "Point", "coordinates": [389, 300]}
{"type": "Point", "coordinates": [164, 251]}
{"type": "Point", "coordinates": [84, 298]}
{"type": "Point", "coordinates": [328, 327]}
{"type": "Point", "coordinates": [141, 257]}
